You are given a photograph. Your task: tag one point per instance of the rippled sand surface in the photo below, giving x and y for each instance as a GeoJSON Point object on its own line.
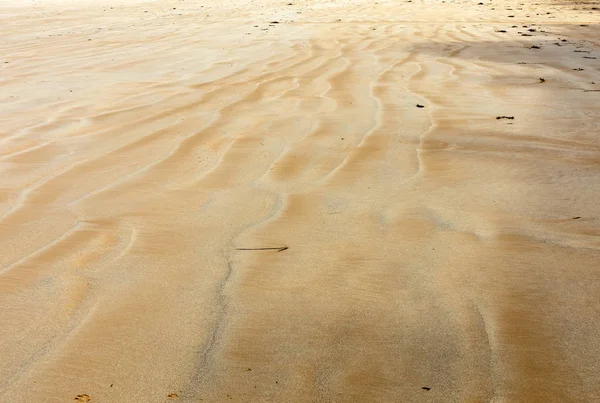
{"type": "Point", "coordinates": [434, 253]}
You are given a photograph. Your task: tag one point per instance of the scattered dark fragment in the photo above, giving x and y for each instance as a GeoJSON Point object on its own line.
{"type": "Point", "coordinates": [576, 218]}
{"type": "Point", "coordinates": [111, 385]}
{"type": "Point", "coordinates": [542, 80]}
{"type": "Point", "coordinates": [502, 30]}
{"type": "Point", "coordinates": [511, 16]}
{"type": "Point", "coordinates": [420, 106]}
{"type": "Point", "coordinates": [581, 51]}
{"type": "Point", "coordinates": [505, 117]}
{"type": "Point", "coordinates": [526, 35]}
{"type": "Point", "coordinates": [535, 47]}
{"type": "Point", "coordinates": [274, 22]}
{"type": "Point", "coordinates": [249, 369]}
{"type": "Point", "coordinates": [480, 4]}
{"type": "Point", "coordinates": [514, 26]}
{"type": "Point", "coordinates": [583, 25]}
{"type": "Point", "coordinates": [588, 57]}
{"type": "Point", "coordinates": [531, 30]}
{"type": "Point", "coordinates": [172, 395]}
{"type": "Point", "coordinates": [563, 40]}
{"type": "Point", "coordinates": [578, 69]}
{"type": "Point", "coordinates": [83, 398]}
{"type": "Point", "coordinates": [425, 388]}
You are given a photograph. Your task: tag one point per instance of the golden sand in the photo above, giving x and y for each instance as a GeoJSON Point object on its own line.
{"type": "Point", "coordinates": [435, 253]}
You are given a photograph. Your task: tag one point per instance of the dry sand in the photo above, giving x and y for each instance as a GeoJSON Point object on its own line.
{"type": "Point", "coordinates": [435, 254]}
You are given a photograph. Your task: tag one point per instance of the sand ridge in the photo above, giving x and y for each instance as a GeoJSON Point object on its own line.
{"type": "Point", "coordinates": [434, 254]}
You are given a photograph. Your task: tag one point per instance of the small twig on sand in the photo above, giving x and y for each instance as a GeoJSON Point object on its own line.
{"type": "Point", "coordinates": [279, 249]}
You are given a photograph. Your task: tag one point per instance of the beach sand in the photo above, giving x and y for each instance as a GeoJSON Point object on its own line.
{"type": "Point", "coordinates": [434, 253]}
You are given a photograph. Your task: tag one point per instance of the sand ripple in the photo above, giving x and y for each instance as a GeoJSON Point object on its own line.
{"type": "Point", "coordinates": [435, 254]}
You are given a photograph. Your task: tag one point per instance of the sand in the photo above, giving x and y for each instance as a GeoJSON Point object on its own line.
{"type": "Point", "coordinates": [434, 254]}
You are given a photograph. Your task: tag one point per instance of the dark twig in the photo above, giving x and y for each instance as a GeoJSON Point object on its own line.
{"type": "Point", "coordinates": [279, 249]}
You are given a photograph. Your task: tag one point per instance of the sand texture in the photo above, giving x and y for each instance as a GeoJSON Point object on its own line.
{"type": "Point", "coordinates": [434, 253]}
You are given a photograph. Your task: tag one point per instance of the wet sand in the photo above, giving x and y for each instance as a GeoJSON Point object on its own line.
{"type": "Point", "coordinates": [434, 253]}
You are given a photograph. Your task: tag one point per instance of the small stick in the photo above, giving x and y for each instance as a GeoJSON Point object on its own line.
{"type": "Point", "coordinates": [279, 249]}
